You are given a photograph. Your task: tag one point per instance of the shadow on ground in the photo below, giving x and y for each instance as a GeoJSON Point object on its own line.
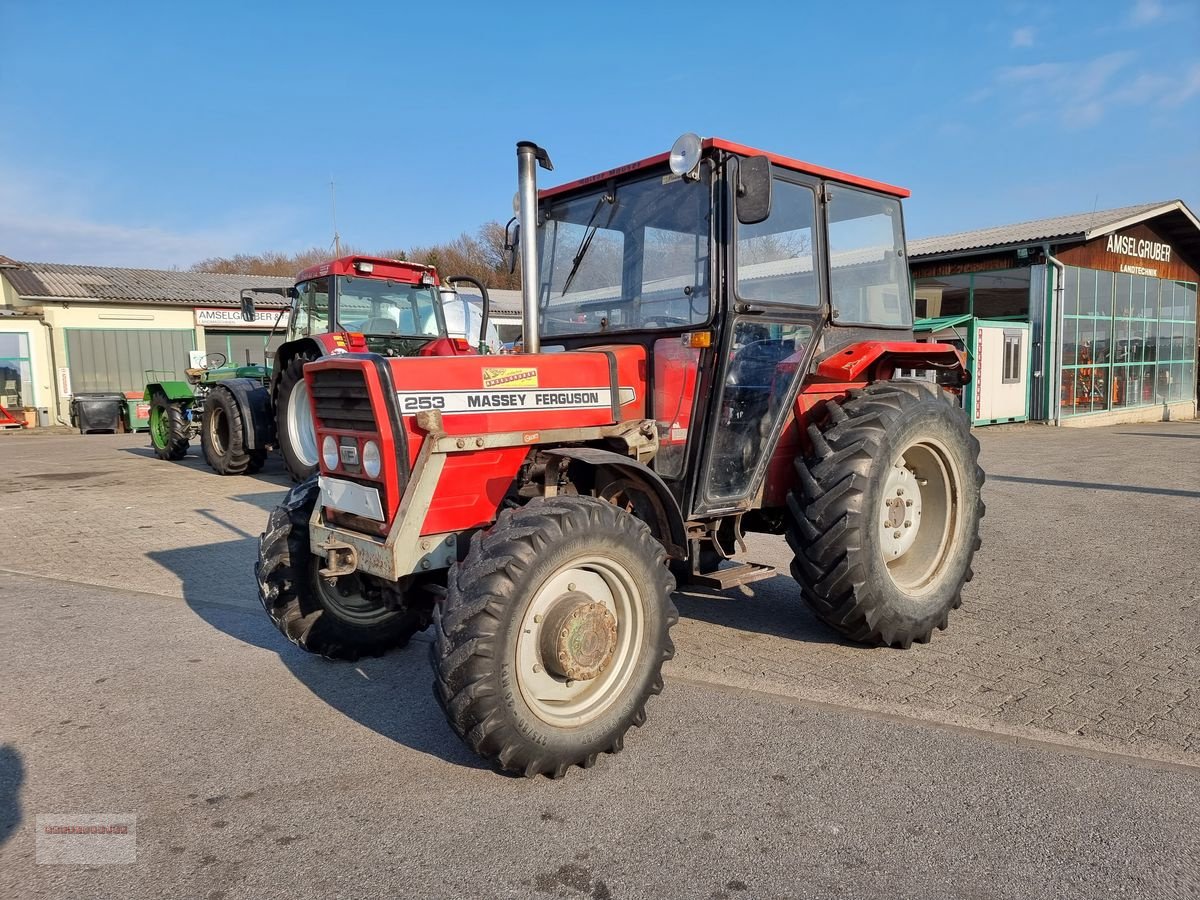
{"type": "Point", "coordinates": [273, 471]}
{"type": "Point", "coordinates": [772, 606]}
{"type": "Point", "coordinates": [12, 777]}
{"type": "Point", "coordinates": [391, 695]}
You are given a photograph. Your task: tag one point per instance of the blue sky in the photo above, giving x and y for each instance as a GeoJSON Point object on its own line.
{"type": "Point", "coordinates": [158, 134]}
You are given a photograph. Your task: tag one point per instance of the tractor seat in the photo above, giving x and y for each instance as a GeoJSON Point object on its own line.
{"type": "Point", "coordinates": [380, 325]}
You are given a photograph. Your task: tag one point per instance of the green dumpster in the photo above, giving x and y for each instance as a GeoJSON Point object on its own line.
{"type": "Point", "coordinates": [137, 412]}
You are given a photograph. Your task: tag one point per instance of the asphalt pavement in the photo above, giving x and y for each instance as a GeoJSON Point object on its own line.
{"type": "Point", "coordinates": [139, 677]}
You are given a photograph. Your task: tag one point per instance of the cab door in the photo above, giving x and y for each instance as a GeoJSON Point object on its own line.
{"type": "Point", "coordinates": [776, 289]}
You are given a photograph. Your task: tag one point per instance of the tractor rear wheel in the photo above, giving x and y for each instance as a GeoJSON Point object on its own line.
{"type": "Point", "coordinates": [168, 428]}
{"type": "Point", "coordinates": [294, 421]}
{"type": "Point", "coordinates": [223, 436]}
{"type": "Point", "coordinates": [885, 520]}
{"type": "Point", "coordinates": [553, 633]}
{"type": "Point", "coordinates": [339, 618]}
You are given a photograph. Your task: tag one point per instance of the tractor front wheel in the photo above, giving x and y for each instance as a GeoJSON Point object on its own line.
{"type": "Point", "coordinates": [885, 519]}
{"type": "Point", "coordinates": [340, 618]}
{"type": "Point", "coordinates": [553, 633]}
{"type": "Point", "coordinates": [294, 421]}
{"type": "Point", "coordinates": [168, 428]}
{"type": "Point", "coordinates": [223, 436]}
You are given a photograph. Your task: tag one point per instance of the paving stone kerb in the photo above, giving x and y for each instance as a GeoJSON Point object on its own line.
{"type": "Point", "coordinates": [1081, 625]}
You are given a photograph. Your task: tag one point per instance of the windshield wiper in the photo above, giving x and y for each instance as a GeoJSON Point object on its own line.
{"type": "Point", "coordinates": [588, 234]}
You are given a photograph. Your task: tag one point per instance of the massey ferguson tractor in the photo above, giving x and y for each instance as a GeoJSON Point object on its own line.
{"type": "Point", "coordinates": [712, 338]}
{"type": "Point", "coordinates": [350, 305]}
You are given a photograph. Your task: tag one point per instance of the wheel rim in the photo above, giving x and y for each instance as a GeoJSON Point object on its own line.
{"type": "Point", "coordinates": [918, 515]}
{"type": "Point", "coordinates": [218, 431]}
{"type": "Point", "coordinates": [158, 427]}
{"type": "Point", "coordinates": [302, 433]}
{"type": "Point", "coordinates": [601, 607]}
{"type": "Point", "coordinates": [343, 596]}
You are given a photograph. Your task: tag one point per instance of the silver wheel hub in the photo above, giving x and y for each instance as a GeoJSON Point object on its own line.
{"type": "Point", "coordinates": [578, 638]}
{"type": "Point", "coordinates": [900, 511]}
{"type": "Point", "coordinates": [301, 430]}
{"type": "Point", "coordinates": [579, 641]}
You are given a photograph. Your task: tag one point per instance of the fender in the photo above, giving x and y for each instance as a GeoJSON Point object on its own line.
{"type": "Point", "coordinates": [254, 402]}
{"type": "Point", "coordinates": [876, 360]}
{"type": "Point", "coordinates": [670, 528]}
{"type": "Point", "coordinates": [172, 390]}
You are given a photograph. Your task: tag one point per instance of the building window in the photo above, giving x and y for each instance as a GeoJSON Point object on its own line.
{"type": "Point", "coordinates": [1012, 357]}
{"type": "Point", "coordinates": [1127, 340]}
{"type": "Point", "coordinates": [16, 374]}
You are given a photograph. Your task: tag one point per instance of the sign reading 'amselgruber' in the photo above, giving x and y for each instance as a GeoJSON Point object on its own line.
{"type": "Point", "coordinates": [1140, 248]}
{"type": "Point", "coordinates": [232, 318]}
{"type": "Point", "coordinates": [505, 401]}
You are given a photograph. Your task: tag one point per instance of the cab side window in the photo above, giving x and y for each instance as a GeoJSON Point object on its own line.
{"type": "Point", "coordinates": [775, 257]}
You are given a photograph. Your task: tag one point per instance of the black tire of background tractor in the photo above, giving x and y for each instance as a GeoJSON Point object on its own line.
{"type": "Point", "coordinates": [489, 594]}
{"type": "Point", "coordinates": [286, 572]}
{"type": "Point", "coordinates": [223, 436]}
{"type": "Point", "coordinates": [833, 527]}
{"type": "Point", "coordinates": [176, 446]}
{"type": "Point", "coordinates": [287, 382]}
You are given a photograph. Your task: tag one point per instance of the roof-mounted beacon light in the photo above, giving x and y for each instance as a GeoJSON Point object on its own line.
{"type": "Point", "coordinates": [685, 156]}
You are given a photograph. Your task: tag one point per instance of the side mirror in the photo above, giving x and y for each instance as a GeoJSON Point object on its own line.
{"type": "Point", "coordinates": [753, 190]}
{"type": "Point", "coordinates": [511, 243]}
{"type": "Point", "coordinates": [247, 307]}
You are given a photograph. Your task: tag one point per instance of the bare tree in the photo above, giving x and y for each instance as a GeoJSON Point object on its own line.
{"type": "Point", "coordinates": [480, 256]}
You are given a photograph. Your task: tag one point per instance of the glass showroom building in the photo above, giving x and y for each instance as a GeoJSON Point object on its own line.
{"type": "Point", "coordinates": [1078, 320]}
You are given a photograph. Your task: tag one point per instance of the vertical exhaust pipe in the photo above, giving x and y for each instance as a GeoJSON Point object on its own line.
{"type": "Point", "coordinates": [529, 157]}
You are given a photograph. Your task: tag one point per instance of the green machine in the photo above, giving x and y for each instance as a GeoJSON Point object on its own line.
{"type": "Point", "coordinates": [177, 410]}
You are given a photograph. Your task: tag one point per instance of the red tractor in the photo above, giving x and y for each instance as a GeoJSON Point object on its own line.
{"type": "Point", "coordinates": [349, 305]}
{"type": "Point", "coordinates": [723, 332]}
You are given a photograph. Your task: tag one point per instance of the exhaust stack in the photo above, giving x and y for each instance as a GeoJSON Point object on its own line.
{"type": "Point", "coordinates": [529, 157]}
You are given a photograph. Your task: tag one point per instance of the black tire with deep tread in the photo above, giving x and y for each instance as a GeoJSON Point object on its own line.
{"type": "Point", "coordinates": [475, 632]}
{"type": "Point", "coordinates": [177, 439]}
{"type": "Point", "coordinates": [293, 373]}
{"type": "Point", "coordinates": [285, 572]}
{"type": "Point", "coordinates": [831, 529]}
{"type": "Point", "coordinates": [234, 458]}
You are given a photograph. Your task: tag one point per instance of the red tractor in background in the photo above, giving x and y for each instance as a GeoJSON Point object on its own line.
{"type": "Point", "coordinates": [722, 330]}
{"type": "Point", "coordinates": [354, 304]}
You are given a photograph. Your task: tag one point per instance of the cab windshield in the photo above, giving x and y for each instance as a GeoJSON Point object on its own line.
{"type": "Point", "coordinates": [630, 257]}
{"type": "Point", "coordinates": [380, 306]}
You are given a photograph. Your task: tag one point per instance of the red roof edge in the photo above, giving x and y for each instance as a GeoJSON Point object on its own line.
{"type": "Point", "coordinates": [786, 162]}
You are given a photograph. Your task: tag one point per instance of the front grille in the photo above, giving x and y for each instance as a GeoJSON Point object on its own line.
{"type": "Point", "coordinates": [340, 400]}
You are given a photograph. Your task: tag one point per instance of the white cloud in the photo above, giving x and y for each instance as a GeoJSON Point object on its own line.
{"type": "Point", "coordinates": [1146, 11]}
{"type": "Point", "coordinates": [1023, 37]}
{"type": "Point", "coordinates": [43, 220]}
{"type": "Point", "coordinates": [1081, 94]}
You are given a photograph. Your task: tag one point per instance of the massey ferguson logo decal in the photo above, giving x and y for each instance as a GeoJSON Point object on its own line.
{"type": "Point", "coordinates": [510, 378]}
{"type": "Point", "coordinates": [506, 400]}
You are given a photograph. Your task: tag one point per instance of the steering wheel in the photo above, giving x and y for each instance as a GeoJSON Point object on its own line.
{"type": "Point", "coordinates": [215, 360]}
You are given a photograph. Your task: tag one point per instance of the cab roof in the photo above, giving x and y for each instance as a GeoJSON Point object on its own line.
{"type": "Point", "coordinates": [785, 162]}
{"type": "Point", "coordinates": [393, 269]}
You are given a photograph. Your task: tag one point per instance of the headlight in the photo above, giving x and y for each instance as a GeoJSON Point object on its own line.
{"type": "Point", "coordinates": [371, 462]}
{"type": "Point", "coordinates": [329, 452]}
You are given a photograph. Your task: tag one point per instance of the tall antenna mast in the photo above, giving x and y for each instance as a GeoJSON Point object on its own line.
{"type": "Point", "coordinates": [337, 238]}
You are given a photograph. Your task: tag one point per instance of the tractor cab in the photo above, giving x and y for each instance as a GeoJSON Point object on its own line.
{"type": "Point", "coordinates": [383, 306]}
{"type": "Point", "coordinates": [725, 264]}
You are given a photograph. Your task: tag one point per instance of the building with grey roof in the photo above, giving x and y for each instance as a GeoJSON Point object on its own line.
{"type": "Point", "coordinates": [68, 329]}
{"type": "Point", "coordinates": [1080, 319]}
